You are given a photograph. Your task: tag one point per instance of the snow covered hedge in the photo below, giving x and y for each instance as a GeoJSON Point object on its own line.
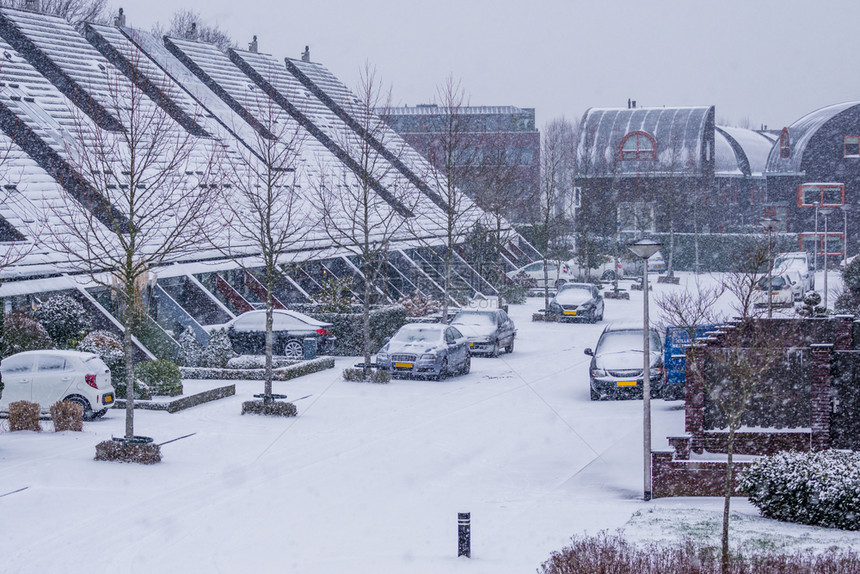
{"type": "Point", "coordinates": [64, 319]}
{"type": "Point", "coordinates": [817, 488]}
{"type": "Point", "coordinates": [384, 322]}
{"type": "Point", "coordinates": [279, 374]}
{"type": "Point", "coordinates": [163, 377]}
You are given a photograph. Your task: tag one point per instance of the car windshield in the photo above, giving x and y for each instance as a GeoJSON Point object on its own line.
{"type": "Point", "coordinates": [474, 318]}
{"type": "Point", "coordinates": [776, 283]}
{"type": "Point", "coordinates": [621, 341]}
{"type": "Point", "coordinates": [573, 287]}
{"type": "Point", "coordinates": [418, 334]}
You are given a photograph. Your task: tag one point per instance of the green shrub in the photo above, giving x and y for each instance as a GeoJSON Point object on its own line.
{"type": "Point", "coordinates": [67, 415]}
{"type": "Point", "coordinates": [276, 408]}
{"type": "Point", "coordinates": [24, 415]}
{"type": "Point", "coordinates": [162, 377]}
{"type": "Point", "coordinates": [514, 293]}
{"type": "Point", "coordinates": [65, 320]}
{"type": "Point", "coordinates": [109, 349]}
{"type": "Point", "coordinates": [21, 332]}
{"type": "Point", "coordinates": [818, 488]}
{"type": "Point", "coordinates": [373, 376]}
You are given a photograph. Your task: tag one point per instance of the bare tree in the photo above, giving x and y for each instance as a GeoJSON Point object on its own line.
{"type": "Point", "coordinates": [265, 213]}
{"type": "Point", "coordinates": [454, 156]}
{"type": "Point", "coordinates": [74, 11]}
{"type": "Point", "coordinates": [549, 222]}
{"type": "Point", "coordinates": [148, 189]}
{"type": "Point", "coordinates": [363, 208]}
{"type": "Point", "coordinates": [189, 24]}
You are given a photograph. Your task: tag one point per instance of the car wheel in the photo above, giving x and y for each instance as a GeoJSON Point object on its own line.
{"type": "Point", "coordinates": [594, 395]}
{"type": "Point", "coordinates": [85, 404]}
{"type": "Point", "coordinates": [443, 370]}
{"type": "Point", "coordinates": [495, 351]}
{"type": "Point", "coordinates": [293, 350]}
{"type": "Point", "coordinates": [100, 414]}
{"type": "Point", "coordinates": [510, 347]}
{"type": "Point", "coordinates": [467, 365]}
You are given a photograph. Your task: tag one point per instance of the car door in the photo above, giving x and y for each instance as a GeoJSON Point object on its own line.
{"type": "Point", "coordinates": [506, 328]}
{"type": "Point", "coordinates": [51, 379]}
{"type": "Point", "coordinates": [17, 373]}
{"type": "Point", "coordinates": [457, 347]}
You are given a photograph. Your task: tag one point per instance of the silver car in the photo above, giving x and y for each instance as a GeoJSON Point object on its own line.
{"type": "Point", "coordinates": [488, 330]}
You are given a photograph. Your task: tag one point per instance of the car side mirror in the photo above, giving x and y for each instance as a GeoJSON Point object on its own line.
{"type": "Point", "coordinates": [589, 352]}
{"type": "Point", "coordinates": [385, 340]}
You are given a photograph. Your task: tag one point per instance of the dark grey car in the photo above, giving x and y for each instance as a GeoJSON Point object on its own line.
{"type": "Point", "coordinates": [616, 363]}
{"type": "Point", "coordinates": [577, 301]}
{"type": "Point", "coordinates": [488, 330]}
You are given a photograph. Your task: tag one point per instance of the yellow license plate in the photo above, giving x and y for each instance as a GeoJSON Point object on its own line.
{"type": "Point", "coordinates": [108, 399]}
{"type": "Point", "coordinates": [403, 365]}
{"type": "Point", "coordinates": [471, 344]}
{"type": "Point", "coordinates": [570, 312]}
{"type": "Point", "coordinates": [625, 384]}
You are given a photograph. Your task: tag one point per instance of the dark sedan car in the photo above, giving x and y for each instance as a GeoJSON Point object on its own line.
{"type": "Point", "coordinates": [616, 363]}
{"type": "Point", "coordinates": [247, 333]}
{"type": "Point", "coordinates": [577, 301]}
{"type": "Point", "coordinates": [426, 350]}
{"type": "Point", "coordinates": [488, 330]}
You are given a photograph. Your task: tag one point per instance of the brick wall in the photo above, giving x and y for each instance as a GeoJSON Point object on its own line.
{"type": "Point", "coordinates": [672, 477]}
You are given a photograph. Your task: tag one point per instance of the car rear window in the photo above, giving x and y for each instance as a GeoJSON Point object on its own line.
{"type": "Point", "coordinates": [619, 341]}
{"type": "Point", "coordinates": [474, 318]}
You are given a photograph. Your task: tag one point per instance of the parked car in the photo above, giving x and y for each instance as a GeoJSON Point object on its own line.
{"type": "Point", "coordinates": [247, 333]}
{"type": "Point", "coordinates": [616, 363]}
{"type": "Point", "coordinates": [632, 265]}
{"type": "Point", "coordinates": [532, 275]}
{"type": "Point", "coordinates": [675, 344]}
{"type": "Point", "coordinates": [577, 301]}
{"type": "Point", "coordinates": [798, 261]}
{"type": "Point", "coordinates": [48, 376]}
{"type": "Point", "coordinates": [426, 350]}
{"type": "Point", "coordinates": [783, 288]}
{"type": "Point", "coordinates": [488, 330]}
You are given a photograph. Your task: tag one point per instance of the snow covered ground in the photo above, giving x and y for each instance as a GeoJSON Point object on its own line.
{"type": "Point", "coordinates": [368, 478]}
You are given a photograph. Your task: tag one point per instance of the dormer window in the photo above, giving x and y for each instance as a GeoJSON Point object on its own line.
{"type": "Point", "coordinates": [851, 146]}
{"type": "Point", "coordinates": [784, 144]}
{"type": "Point", "coordinates": [638, 146]}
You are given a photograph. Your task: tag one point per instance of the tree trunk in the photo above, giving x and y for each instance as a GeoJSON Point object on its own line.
{"type": "Point", "coordinates": [128, 349]}
{"type": "Point", "coordinates": [267, 388]}
{"type": "Point", "coordinates": [365, 316]}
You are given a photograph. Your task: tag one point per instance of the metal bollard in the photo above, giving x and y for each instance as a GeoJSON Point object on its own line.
{"type": "Point", "coordinates": [464, 531]}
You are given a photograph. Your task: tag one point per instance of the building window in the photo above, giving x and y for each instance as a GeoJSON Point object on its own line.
{"type": "Point", "coordinates": [638, 146]}
{"type": "Point", "coordinates": [824, 194]}
{"type": "Point", "coordinates": [784, 144]}
{"type": "Point", "coordinates": [851, 146]}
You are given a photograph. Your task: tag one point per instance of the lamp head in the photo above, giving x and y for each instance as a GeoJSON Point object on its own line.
{"type": "Point", "coordinates": [645, 248]}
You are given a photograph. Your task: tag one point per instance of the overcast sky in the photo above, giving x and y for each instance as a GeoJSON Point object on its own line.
{"type": "Point", "coordinates": [762, 61]}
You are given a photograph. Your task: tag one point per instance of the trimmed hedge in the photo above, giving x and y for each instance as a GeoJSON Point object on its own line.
{"type": "Point", "coordinates": [140, 453]}
{"type": "Point", "coordinates": [162, 377]}
{"type": "Point", "coordinates": [374, 376]}
{"type": "Point", "coordinates": [67, 415]}
{"type": "Point", "coordinates": [384, 322]}
{"type": "Point", "coordinates": [24, 415]}
{"type": "Point", "coordinates": [817, 488]}
{"type": "Point", "coordinates": [281, 374]}
{"type": "Point", "coordinates": [278, 409]}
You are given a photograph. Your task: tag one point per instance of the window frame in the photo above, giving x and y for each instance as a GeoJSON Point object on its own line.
{"type": "Point", "coordinates": [801, 196]}
{"type": "Point", "coordinates": [640, 154]}
{"type": "Point", "coordinates": [856, 146]}
{"type": "Point", "coordinates": [784, 144]}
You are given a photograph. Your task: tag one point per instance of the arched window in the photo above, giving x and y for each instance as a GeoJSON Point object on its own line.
{"type": "Point", "coordinates": [638, 146]}
{"type": "Point", "coordinates": [784, 144]}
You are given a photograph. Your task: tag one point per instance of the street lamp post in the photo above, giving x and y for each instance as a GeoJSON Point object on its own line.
{"type": "Point", "coordinates": [817, 239]}
{"type": "Point", "coordinates": [845, 207]}
{"type": "Point", "coordinates": [645, 248]}
{"type": "Point", "coordinates": [825, 211]}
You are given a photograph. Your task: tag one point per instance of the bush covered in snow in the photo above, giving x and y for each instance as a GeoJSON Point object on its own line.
{"type": "Point", "coordinates": [67, 415]}
{"type": "Point", "coordinates": [849, 300]}
{"type": "Point", "coordinates": [109, 348]}
{"type": "Point", "coordinates": [275, 408]}
{"type": "Point", "coordinates": [384, 322]}
{"type": "Point", "coordinates": [335, 295]}
{"type": "Point", "coordinates": [418, 306]}
{"type": "Point", "coordinates": [22, 332]}
{"type": "Point", "coordinates": [818, 488]}
{"type": "Point", "coordinates": [374, 376]}
{"type": "Point", "coordinates": [162, 377]}
{"type": "Point", "coordinates": [258, 362]}
{"type": "Point", "coordinates": [24, 415]}
{"type": "Point", "coordinates": [218, 351]}
{"type": "Point", "coordinates": [190, 351]}
{"type": "Point", "coordinates": [64, 319]}
{"type": "Point", "coordinates": [514, 294]}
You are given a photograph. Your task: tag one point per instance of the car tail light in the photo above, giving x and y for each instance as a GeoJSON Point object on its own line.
{"type": "Point", "coordinates": [323, 332]}
{"type": "Point", "coordinates": [91, 381]}
{"type": "Point", "coordinates": [786, 286]}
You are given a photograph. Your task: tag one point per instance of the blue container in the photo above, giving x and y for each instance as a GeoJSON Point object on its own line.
{"type": "Point", "coordinates": [309, 347]}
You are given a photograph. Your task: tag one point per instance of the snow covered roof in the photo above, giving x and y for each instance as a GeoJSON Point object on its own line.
{"type": "Point", "coordinates": [740, 151]}
{"type": "Point", "coordinates": [800, 133]}
{"type": "Point", "coordinates": [681, 136]}
{"type": "Point", "coordinates": [430, 110]}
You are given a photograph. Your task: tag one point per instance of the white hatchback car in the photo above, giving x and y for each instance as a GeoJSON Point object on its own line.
{"type": "Point", "coordinates": [532, 276]}
{"type": "Point", "coordinates": [48, 376]}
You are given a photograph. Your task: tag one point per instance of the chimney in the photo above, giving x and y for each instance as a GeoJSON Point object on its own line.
{"type": "Point", "coordinates": [119, 20]}
{"type": "Point", "coordinates": [628, 103]}
{"type": "Point", "coordinates": [306, 55]}
{"type": "Point", "coordinates": [32, 5]}
{"type": "Point", "coordinates": [191, 33]}
{"type": "Point", "coordinates": [634, 104]}
{"type": "Point", "coordinates": [252, 47]}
